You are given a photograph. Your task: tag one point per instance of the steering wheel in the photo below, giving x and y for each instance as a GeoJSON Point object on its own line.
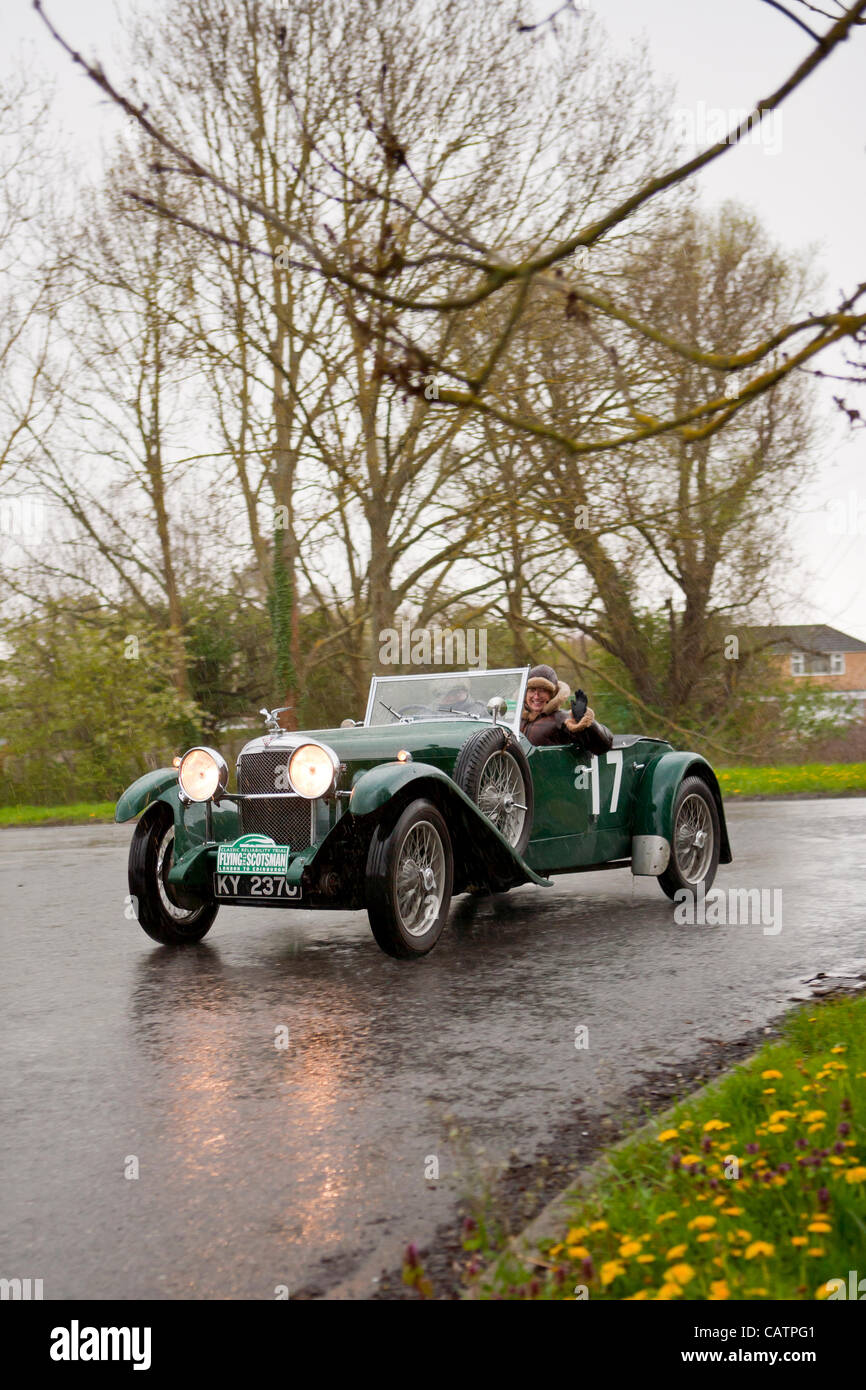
{"type": "Point", "coordinates": [413, 711]}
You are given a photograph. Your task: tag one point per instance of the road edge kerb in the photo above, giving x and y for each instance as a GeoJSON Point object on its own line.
{"type": "Point", "coordinates": [549, 1222]}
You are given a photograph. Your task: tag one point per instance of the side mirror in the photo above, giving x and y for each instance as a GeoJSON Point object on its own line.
{"type": "Point", "coordinates": [496, 706]}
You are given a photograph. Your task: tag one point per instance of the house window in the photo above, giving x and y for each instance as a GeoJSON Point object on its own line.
{"type": "Point", "coordinates": [817, 663]}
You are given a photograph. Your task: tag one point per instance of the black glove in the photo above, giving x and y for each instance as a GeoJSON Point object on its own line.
{"type": "Point", "coordinates": [578, 706]}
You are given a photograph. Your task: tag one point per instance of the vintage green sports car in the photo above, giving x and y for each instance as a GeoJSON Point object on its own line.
{"type": "Point", "coordinates": [435, 792]}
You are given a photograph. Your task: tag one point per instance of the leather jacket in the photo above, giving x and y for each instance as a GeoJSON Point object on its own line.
{"type": "Point", "coordinates": [545, 729]}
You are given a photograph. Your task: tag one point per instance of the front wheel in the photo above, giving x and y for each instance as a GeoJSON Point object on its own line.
{"type": "Point", "coordinates": [160, 911]}
{"type": "Point", "coordinates": [410, 875]}
{"type": "Point", "coordinates": [695, 840]}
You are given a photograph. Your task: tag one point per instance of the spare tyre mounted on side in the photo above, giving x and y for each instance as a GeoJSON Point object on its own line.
{"type": "Point", "coordinates": [493, 771]}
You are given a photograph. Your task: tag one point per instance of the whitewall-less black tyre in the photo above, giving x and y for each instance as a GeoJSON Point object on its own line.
{"type": "Point", "coordinates": [493, 771]}
{"type": "Point", "coordinates": [160, 912]}
{"type": "Point", "coordinates": [410, 875]}
{"type": "Point", "coordinates": [695, 840]}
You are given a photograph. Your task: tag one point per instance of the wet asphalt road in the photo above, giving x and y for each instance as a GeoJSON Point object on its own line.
{"type": "Point", "coordinates": [307, 1166]}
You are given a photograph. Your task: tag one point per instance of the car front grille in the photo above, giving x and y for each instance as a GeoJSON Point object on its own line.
{"type": "Point", "coordinates": [287, 819]}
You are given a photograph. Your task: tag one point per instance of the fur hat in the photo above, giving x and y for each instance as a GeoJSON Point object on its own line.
{"type": "Point", "coordinates": [545, 678]}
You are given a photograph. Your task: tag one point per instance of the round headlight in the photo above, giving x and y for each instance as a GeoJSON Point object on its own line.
{"type": "Point", "coordinates": [202, 774]}
{"type": "Point", "coordinates": [311, 770]}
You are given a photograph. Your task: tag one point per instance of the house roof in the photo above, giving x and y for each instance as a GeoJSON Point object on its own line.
{"type": "Point", "coordinates": [807, 637]}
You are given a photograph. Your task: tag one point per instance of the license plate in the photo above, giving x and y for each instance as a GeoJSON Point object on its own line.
{"type": "Point", "coordinates": [255, 887]}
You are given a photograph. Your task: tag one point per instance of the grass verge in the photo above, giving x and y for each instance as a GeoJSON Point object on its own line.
{"type": "Point", "coordinates": [80, 813]}
{"type": "Point", "coordinates": [754, 1189]}
{"type": "Point", "coordinates": [827, 779]}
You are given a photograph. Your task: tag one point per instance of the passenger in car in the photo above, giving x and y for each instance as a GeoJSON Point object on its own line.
{"type": "Point", "coordinates": [543, 722]}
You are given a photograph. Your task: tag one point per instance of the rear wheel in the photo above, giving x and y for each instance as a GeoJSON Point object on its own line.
{"type": "Point", "coordinates": [410, 874]}
{"type": "Point", "coordinates": [166, 916]}
{"type": "Point", "coordinates": [695, 840]}
{"type": "Point", "coordinates": [493, 770]}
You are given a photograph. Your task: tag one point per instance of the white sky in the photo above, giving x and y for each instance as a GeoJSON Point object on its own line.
{"type": "Point", "coordinates": [808, 184]}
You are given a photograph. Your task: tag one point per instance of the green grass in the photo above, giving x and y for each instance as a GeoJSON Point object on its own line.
{"type": "Point", "coordinates": [831, 779]}
{"type": "Point", "coordinates": [671, 1219]}
{"type": "Point", "coordinates": [80, 813]}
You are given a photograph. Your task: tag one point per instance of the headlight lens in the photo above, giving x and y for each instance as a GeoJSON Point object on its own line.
{"type": "Point", "coordinates": [202, 774]}
{"type": "Point", "coordinates": [311, 770]}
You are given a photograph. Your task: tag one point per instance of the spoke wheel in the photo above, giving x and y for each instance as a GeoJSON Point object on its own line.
{"type": "Point", "coordinates": [410, 874]}
{"type": "Point", "coordinates": [500, 795]}
{"type": "Point", "coordinates": [420, 878]}
{"type": "Point", "coordinates": [695, 840]}
{"type": "Point", "coordinates": [493, 770]}
{"type": "Point", "coordinates": [161, 912]}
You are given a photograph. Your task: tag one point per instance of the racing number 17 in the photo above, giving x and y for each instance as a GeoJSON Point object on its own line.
{"type": "Point", "coordinates": [614, 756]}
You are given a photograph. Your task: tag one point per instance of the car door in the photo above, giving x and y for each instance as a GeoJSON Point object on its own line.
{"type": "Point", "coordinates": [582, 805]}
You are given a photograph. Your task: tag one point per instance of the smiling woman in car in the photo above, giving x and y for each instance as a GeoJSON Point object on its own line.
{"type": "Point", "coordinates": [543, 722]}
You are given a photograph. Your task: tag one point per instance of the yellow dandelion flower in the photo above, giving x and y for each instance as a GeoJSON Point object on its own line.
{"type": "Point", "coordinates": [687, 1124]}
{"type": "Point", "coordinates": [577, 1252]}
{"type": "Point", "coordinates": [759, 1249]}
{"type": "Point", "coordinates": [824, 1290]}
{"type": "Point", "coordinates": [819, 1226]}
{"type": "Point", "coordinates": [718, 1291]}
{"type": "Point", "coordinates": [598, 1225]}
{"type": "Point", "coordinates": [769, 1090]}
{"type": "Point", "coordinates": [689, 1159]}
{"type": "Point", "coordinates": [680, 1274]}
{"type": "Point", "coordinates": [702, 1223]}
{"type": "Point", "coordinates": [771, 1075]}
{"type": "Point", "coordinates": [778, 1115]}
{"type": "Point", "coordinates": [666, 1216]}
{"type": "Point", "coordinates": [716, 1124]}
{"type": "Point", "coordinates": [814, 1129]}
{"type": "Point", "coordinates": [636, 1297]}
{"type": "Point", "coordinates": [799, 1240]}
{"type": "Point", "coordinates": [631, 1247]}
{"type": "Point", "coordinates": [812, 1115]}
{"type": "Point", "coordinates": [646, 1259]}
{"type": "Point", "coordinates": [840, 1047]}
{"type": "Point", "coordinates": [575, 1235]}
{"type": "Point", "coordinates": [666, 1135]}
{"type": "Point", "coordinates": [731, 1211]}
{"type": "Point", "coordinates": [816, 1250]}
{"type": "Point", "coordinates": [856, 1174]}
{"type": "Point", "coordinates": [610, 1270]}
{"type": "Point", "coordinates": [706, 1235]}
{"type": "Point", "coordinates": [836, 1161]}
{"type": "Point", "coordinates": [668, 1291]}
{"type": "Point", "coordinates": [676, 1251]}
{"type": "Point", "coordinates": [777, 1129]}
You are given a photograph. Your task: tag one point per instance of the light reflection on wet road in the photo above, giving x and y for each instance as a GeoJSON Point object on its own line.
{"type": "Point", "coordinates": [306, 1166]}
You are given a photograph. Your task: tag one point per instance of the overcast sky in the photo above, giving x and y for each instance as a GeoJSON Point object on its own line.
{"type": "Point", "coordinates": [806, 177]}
